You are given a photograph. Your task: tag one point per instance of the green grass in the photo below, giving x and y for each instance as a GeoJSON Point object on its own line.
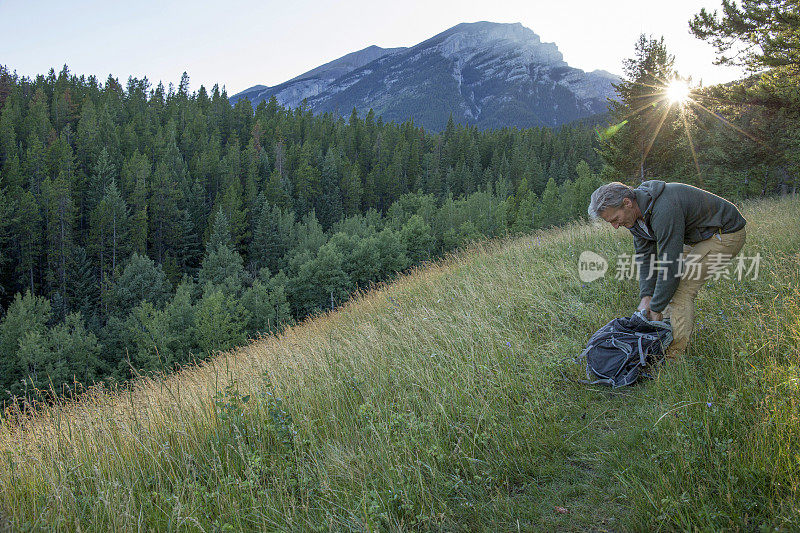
{"type": "Point", "coordinates": [440, 402]}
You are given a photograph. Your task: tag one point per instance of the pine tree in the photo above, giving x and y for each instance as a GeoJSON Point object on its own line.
{"type": "Point", "coordinates": [527, 205]}
{"type": "Point", "coordinates": [221, 321]}
{"type": "Point", "coordinates": [640, 144]}
{"type": "Point", "coordinates": [321, 283]}
{"type": "Point", "coordinates": [307, 184]}
{"type": "Point", "coordinates": [35, 164]}
{"type": "Point", "coordinates": [329, 205]}
{"type": "Point", "coordinates": [110, 228]}
{"type": "Point", "coordinates": [232, 204]}
{"type": "Point", "coordinates": [351, 191]}
{"type": "Point", "coordinates": [28, 230]}
{"type": "Point", "coordinates": [761, 33]}
{"type": "Point", "coordinates": [586, 183]}
{"type": "Point", "coordinates": [148, 337]}
{"type": "Point", "coordinates": [59, 212]}
{"type": "Point", "coordinates": [138, 223]}
{"type": "Point", "coordinates": [141, 280]}
{"type": "Point", "coordinates": [189, 250]}
{"type": "Point", "coordinates": [417, 238]}
{"type": "Point", "coordinates": [163, 212]}
{"type": "Point", "coordinates": [392, 252]}
{"type": "Point", "coordinates": [180, 317]}
{"type": "Point", "coordinates": [12, 175]}
{"type": "Point", "coordinates": [7, 221]}
{"type": "Point", "coordinates": [26, 314]}
{"type": "Point", "coordinates": [63, 355]}
{"type": "Point", "coordinates": [267, 307]}
{"type": "Point", "coordinates": [8, 135]}
{"type": "Point", "coordinates": [84, 289]}
{"type": "Point", "coordinates": [37, 122]}
{"type": "Point", "coordinates": [271, 238]}
{"type": "Point", "coordinates": [222, 265]}
{"type": "Point", "coordinates": [764, 37]}
{"type": "Point", "coordinates": [549, 213]}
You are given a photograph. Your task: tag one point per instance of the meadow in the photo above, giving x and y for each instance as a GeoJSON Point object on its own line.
{"type": "Point", "coordinates": [447, 400]}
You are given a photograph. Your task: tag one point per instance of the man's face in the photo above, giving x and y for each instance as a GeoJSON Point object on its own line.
{"type": "Point", "coordinates": [624, 215]}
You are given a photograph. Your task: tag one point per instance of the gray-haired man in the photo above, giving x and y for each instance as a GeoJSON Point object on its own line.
{"type": "Point", "coordinates": [667, 220]}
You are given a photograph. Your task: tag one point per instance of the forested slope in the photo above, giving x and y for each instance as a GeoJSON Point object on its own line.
{"type": "Point", "coordinates": [141, 227]}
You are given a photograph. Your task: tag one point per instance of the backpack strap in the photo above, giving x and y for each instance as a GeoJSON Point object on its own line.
{"type": "Point", "coordinates": [598, 382]}
{"type": "Point", "coordinates": [642, 356]}
{"type": "Point", "coordinates": [626, 349]}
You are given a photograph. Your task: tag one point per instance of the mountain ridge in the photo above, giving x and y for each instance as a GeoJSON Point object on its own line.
{"type": "Point", "coordinates": [486, 74]}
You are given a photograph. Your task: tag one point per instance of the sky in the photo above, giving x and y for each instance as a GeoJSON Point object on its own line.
{"type": "Point", "coordinates": [238, 44]}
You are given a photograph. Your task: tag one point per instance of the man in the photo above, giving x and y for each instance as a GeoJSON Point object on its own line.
{"type": "Point", "coordinates": [666, 220]}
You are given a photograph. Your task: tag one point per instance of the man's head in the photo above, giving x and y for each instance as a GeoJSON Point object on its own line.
{"type": "Point", "coordinates": [616, 204]}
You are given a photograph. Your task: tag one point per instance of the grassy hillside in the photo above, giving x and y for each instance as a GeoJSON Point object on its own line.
{"type": "Point", "coordinates": [438, 402]}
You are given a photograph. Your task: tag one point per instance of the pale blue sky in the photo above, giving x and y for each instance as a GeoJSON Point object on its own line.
{"type": "Point", "coordinates": [240, 44]}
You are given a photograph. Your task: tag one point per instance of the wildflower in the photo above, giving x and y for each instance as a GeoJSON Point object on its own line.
{"type": "Point", "coordinates": [508, 344]}
{"type": "Point", "coordinates": [708, 404]}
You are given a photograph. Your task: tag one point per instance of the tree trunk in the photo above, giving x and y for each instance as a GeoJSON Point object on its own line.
{"type": "Point", "coordinates": [62, 258]}
{"type": "Point", "coordinates": [785, 179]}
{"type": "Point", "coordinates": [114, 246]}
{"type": "Point", "coordinates": [102, 250]}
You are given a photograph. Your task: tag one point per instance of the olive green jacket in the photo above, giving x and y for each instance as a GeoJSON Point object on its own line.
{"type": "Point", "coordinates": [675, 214]}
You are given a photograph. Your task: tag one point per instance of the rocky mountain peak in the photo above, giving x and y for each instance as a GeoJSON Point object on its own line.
{"type": "Point", "coordinates": [471, 38]}
{"type": "Point", "coordinates": [483, 73]}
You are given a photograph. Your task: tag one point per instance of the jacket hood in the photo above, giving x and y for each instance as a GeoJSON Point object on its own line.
{"type": "Point", "coordinates": [646, 195]}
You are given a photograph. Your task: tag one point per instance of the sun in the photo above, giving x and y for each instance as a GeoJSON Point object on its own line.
{"type": "Point", "coordinates": [677, 91]}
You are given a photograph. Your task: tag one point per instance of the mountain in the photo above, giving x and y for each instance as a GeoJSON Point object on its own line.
{"type": "Point", "coordinates": [309, 84]}
{"type": "Point", "coordinates": [486, 74]}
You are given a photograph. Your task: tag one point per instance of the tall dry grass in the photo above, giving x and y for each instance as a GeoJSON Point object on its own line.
{"type": "Point", "coordinates": [439, 401]}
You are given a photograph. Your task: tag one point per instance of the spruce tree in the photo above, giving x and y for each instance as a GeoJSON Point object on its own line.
{"type": "Point", "coordinates": [549, 212]}
{"type": "Point", "coordinates": [222, 266]}
{"type": "Point", "coordinates": [140, 280]}
{"type": "Point", "coordinates": [28, 231]}
{"type": "Point", "coordinates": [640, 143]}
{"type": "Point", "coordinates": [221, 321]}
{"type": "Point", "coordinates": [59, 213]}
{"type": "Point", "coordinates": [26, 314]}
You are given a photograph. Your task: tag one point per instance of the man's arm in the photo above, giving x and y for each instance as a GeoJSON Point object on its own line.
{"type": "Point", "coordinates": [645, 250]}
{"type": "Point", "coordinates": [669, 230]}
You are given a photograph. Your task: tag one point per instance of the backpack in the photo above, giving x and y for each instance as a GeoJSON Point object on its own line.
{"type": "Point", "coordinates": [619, 352]}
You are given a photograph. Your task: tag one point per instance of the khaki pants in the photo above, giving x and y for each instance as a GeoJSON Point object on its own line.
{"type": "Point", "coordinates": [705, 257]}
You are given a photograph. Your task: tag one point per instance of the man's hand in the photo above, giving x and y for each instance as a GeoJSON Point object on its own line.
{"type": "Point", "coordinates": [644, 305]}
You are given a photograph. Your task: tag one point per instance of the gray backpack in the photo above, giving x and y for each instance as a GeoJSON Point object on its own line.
{"type": "Point", "coordinates": [619, 352]}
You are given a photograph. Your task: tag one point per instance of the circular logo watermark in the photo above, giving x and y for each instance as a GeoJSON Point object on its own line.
{"type": "Point", "coordinates": [591, 266]}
